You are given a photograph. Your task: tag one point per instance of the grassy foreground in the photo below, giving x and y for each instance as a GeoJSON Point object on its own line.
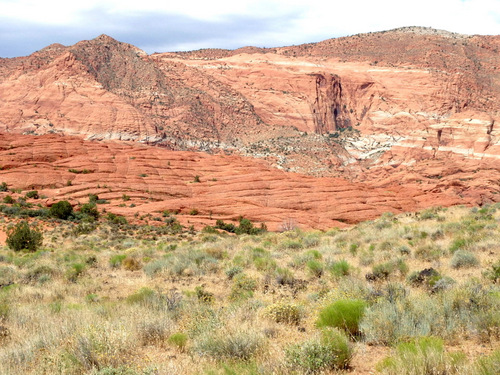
{"type": "Point", "coordinates": [409, 294]}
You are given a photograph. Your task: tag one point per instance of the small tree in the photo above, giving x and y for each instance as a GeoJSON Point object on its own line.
{"type": "Point", "coordinates": [90, 211]}
{"type": "Point", "coordinates": [61, 210]}
{"type": "Point", "coordinates": [22, 237]}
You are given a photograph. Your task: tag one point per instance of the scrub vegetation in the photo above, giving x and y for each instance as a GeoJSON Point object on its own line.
{"type": "Point", "coordinates": [409, 294]}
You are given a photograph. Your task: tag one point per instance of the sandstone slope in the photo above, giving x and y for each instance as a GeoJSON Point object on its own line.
{"type": "Point", "coordinates": [158, 180]}
{"type": "Point", "coordinates": [411, 111]}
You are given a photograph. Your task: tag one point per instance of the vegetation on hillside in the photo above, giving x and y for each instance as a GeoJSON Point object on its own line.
{"type": "Point", "coordinates": [408, 294]}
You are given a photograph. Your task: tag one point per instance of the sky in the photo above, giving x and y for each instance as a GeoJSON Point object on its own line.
{"type": "Point", "coordinates": [164, 25]}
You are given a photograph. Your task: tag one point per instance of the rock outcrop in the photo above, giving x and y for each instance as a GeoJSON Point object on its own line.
{"type": "Point", "coordinates": [199, 187]}
{"type": "Point", "coordinates": [413, 112]}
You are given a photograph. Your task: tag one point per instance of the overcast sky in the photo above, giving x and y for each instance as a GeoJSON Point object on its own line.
{"type": "Point", "coordinates": [159, 26]}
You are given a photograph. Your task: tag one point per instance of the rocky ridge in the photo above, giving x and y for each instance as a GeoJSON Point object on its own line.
{"type": "Point", "coordinates": [407, 110]}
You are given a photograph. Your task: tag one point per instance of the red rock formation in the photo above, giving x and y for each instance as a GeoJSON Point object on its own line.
{"type": "Point", "coordinates": [412, 111]}
{"type": "Point", "coordinates": [63, 167]}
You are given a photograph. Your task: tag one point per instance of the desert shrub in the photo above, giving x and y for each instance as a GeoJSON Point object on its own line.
{"type": "Point", "coordinates": [284, 276]}
{"type": "Point", "coordinates": [154, 267]}
{"type": "Point", "coordinates": [4, 187]}
{"type": "Point", "coordinates": [121, 370]}
{"type": "Point", "coordinates": [315, 267]}
{"type": "Point", "coordinates": [291, 244]}
{"type": "Point", "coordinates": [61, 210]}
{"type": "Point", "coordinates": [264, 263]}
{"type": "Point", "coordinates": [75, 271]}
{"type": "Point", "coordinates": [243, 287]}
{"type": "Point", "coordinates": [204, 295]}
{"type": "Point", "coordinates": [384, 270]}
{"type": "Point", "coordinates": [423, 277]}
{"type": "Point", "coordinates": [179, 340]}
{"type": "Point", "coordinates": [142, 297]}
{"type": "Point", "coordinates": [330, 351]}
{"type": "Point", "coordinates": [242, 345]}
{"type": "Point", "coordinates": [32, 194]}
{"type": "Point", "coordinates": [83, 228]}
{"type": "Point", "coordinates": [429, 252]}
{"type": "Point", "coordinates": [235, 368]}
{"type": "Point", "coordinates": [284, 312]}
{"type": "Point", "coordinates": [381, 271]}
{"type": "Point", "coordinates": [488, 365]}
{"type": "Point", "coordinates": [220, 224]}
{"type": "Point", "coordinates": [39, 274]}
{"type": "Point", "coordinates": [154, 331]}
{"type": "Point", "coordinates": [463, 259]}
{"type": "Point", "coordinates": [311, 240]}
{"type": "Point", "coordinates": [458, 244]}
{"type": "Point", "coordinates": [131, 264]}
{"type": "Point", "coordinates": [246, 227]}
{"type": "Point", "coordinates": [425, 356]}
{"type": "Point", "coordinates": [467, 308]}
{"type": "Point", "coordinates": [8, 199]}
{"type": "Point", "coordinates": [89, 211]}
{"type": "Point", "coordinates": [493, 274]}
{"type": "Point", "coordinates": [7, 274]}
{"type": "Point", "coordinates": [21, 237]}
{"type": "Point", "coordinates": [233, 271]}
{"type": "Point", "coordinates": [116, 219]}
{"type": "Point", "coordinates": [441, 283]}
{"type": "Point", "coordinates": [345, 314]}
{"type": "Point", "coordinates": [4, 306]}
{"type": "Point", "coordinates": [340, 268]}
{"type": "Point", "coordinates": [115, 261]}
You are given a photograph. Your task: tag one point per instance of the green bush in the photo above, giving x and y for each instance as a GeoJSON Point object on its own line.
{"type": "Point", "coordinates": [340, 269]}
{"type": "Point", "coordinates": [39, 274]}
{"type": "Point", "coordinates": [115, 261]}
{"type": "Point", "coordinates": [424, 356]}
{"type": "Point", "coordinates": [116, 219]}
{"type": "Point", "coordinates": [142, 296]}
{"type": "Point", "coordinates": [179, 340]}
{"type": "Point", "coordinates": [345, 314]}
{"type": "Point", "coordinates": [4, 187]}
{"type": "Point", "coordinates": [21, 237]}
{"type": "Point", "coordinates": [488, 365]}
{"type": "Point", "coordinates": [8, 199]}
{"type": "Point", "coordinates": [61, 210]}
{"type": "Point", "coordinates": [89, 210]}
{"type": "Point", "coordinates": [315, 267]}
{"type": "Point", "coordinates": [32, 194]}
{"type": "Point", "coordinates": [331, 351]}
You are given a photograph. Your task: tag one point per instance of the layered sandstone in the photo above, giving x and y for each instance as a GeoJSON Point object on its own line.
{"type": "Point", "coordinates": [158, 180]}
{"type": "Point", "coordinates": [412, 111]}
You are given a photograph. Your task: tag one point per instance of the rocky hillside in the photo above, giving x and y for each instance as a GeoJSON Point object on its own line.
{"type": "Point", "coordinates": [408, 110]}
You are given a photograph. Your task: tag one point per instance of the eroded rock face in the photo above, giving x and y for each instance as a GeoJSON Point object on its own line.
{"type": "Point", "coordinates": [155, 180]}
{"type": "Point", "coordinates": [413, 112]}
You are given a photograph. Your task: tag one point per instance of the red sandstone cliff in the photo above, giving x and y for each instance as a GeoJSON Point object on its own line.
{"type": "Point", "coordinates": [412, 111]}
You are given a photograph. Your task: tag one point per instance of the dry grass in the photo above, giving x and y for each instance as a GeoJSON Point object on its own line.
{"type": "Point", "coordinates": [240, 303]}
